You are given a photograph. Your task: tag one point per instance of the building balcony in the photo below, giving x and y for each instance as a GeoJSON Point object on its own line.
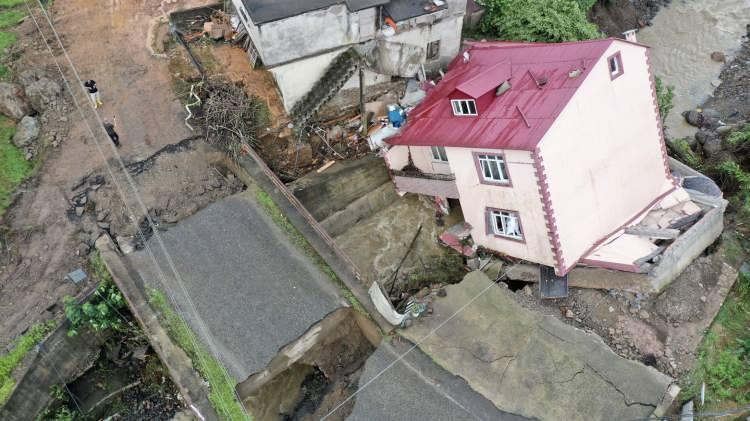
{"type": "Point", "coordinates": [441, 185]}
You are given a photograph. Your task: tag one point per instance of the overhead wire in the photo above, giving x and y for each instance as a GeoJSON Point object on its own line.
{"type": "Point", "coordinates": [130, 181]}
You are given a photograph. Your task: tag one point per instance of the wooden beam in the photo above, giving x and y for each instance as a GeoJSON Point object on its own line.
{"type": "Point", "coordinates": [661, 233]}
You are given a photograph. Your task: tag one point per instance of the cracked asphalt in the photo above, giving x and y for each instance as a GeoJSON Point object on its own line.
{"type": "Point", "coordinates": [534, 365]}
{"type": "Point", "coordinates": [253, 289]}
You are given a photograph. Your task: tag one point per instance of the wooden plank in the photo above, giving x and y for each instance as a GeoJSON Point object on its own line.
{"type": "Point", "coordinates": [646, 258]}
{"type": "Point", "coordinates": [686, 221]}
{"type": "Point", "coordinates": [662, 233]}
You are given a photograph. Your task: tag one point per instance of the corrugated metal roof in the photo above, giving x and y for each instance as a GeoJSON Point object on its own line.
{"type": "Point", "coordinates": [519, 118]}
{"type": "Point", "coordinates": [264, 11]}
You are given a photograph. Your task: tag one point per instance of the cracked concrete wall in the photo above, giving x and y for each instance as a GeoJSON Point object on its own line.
{"type": "Point", "coordinates": [535, 365]}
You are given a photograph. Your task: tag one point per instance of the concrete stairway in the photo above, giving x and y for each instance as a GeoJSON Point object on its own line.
{"type": "Point", "coordinates": [341, 69]}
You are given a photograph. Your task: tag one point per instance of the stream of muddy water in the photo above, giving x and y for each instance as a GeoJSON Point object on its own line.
{"type": "Point", "coordinates": [683, 35]}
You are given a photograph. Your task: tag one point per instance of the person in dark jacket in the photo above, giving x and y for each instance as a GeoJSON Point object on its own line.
{"type": "Point", "coordinates": [110, 128]}
{"type": "Point", "coordinates": [93, 92]}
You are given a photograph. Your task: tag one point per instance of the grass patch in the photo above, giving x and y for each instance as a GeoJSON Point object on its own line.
{"type": "Point", "coordinates": [13, 166]}
{"type": "Point", "coordinates": [724, 356]}
{"type": "Point", "coordinates": [222, 394]}
{"type": "Point", "coordinates": [10, 361]}
{"type": "Point", "coordinates": [304, 246]}
{"type": "Point", "coordinates": [10, 18]}
{"type": "Point", "coordinates": [7, 39]}
{"type": "Point", "coordinates": [10, 3]}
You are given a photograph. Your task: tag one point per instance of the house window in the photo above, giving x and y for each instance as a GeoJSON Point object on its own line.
{"type": "Point", "coordinates": [615, 65]}
{"type": "Point", "coordinates": [492, 168]}
{"type": "Point", "coordinates": [506, 224]}
{"type": "Point", "coordinates": [464, 107]}
{"type": "Point", "coordinates": [433, 50]}
{"type": "Point", "coordinates": [438, 154]}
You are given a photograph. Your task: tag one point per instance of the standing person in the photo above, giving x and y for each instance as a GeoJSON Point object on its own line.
{"type": "Point", "coordinates": [93, 92]}
{"type": "Point", "coordinates": [110, 128]}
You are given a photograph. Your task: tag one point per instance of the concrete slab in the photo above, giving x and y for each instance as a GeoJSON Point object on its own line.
{"type": "Point", "coordinates": [254, 291]}
{"type": "Point", "coordinates": [534, 365]}
{"type": "Point", "coordinates": [416, 388]}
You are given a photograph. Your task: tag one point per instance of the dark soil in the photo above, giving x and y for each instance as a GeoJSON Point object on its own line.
{"type": "Point", "coordinates": [613, 17]}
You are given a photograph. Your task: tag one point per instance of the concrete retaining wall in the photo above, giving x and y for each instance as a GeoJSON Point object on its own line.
{"type": "Point", "coordinates": [62, 359]}
{"type": "Point", "coordinates": [362, 208]}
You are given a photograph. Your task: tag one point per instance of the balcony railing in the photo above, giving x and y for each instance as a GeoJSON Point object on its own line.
{"type": "Point", "coordinates": [441, 185]}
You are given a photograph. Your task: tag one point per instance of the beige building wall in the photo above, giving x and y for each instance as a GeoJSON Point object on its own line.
{"type": "Point", "coordinates": [398, 156]}
{"type": "Point", "coordinates": [603, 157]}
{"type": "Point", "coordinates": [522, 197]}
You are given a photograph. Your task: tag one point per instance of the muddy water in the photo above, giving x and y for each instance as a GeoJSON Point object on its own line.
{"type": "Point", "coordinates": [683, 36]}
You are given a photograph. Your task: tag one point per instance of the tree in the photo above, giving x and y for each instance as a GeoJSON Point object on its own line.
{"type": "Point", "coordinates": [664, 96]}
{"type": "Point", "coordinates": [537, 20]}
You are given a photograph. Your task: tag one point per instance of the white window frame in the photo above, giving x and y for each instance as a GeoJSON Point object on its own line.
{"type": "Point", "coordinates": [506, 224]}
{"type": "Point", "coordinates": [438, 154]}
{"type": "Point", "coordinates": [464, 107]}
{"type": "Point", "coordinates": [488, 162]}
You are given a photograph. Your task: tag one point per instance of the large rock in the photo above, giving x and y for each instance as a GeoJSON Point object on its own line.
{"type": "Point", "coordinates": [693, 118]}
{"type": "Point", "coordinates": [27, 131]}
{"type": "Point", "coordinates": [712, 145]}
{"type": "Point", "coordinates": [12, 101]}
{"type": "Point", "coordinates": [43, 93]}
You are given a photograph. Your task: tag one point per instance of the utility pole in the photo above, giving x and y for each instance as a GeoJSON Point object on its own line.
{"type": "Point", "coordinates": [362, 112]}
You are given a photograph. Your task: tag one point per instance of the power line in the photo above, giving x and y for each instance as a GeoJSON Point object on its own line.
{"type": "Point", "coordinates": [419, 342]}
{"type": "Point", "coordinates": [39, 348]}
{"type": "Point", "coordinates": [137, 196]}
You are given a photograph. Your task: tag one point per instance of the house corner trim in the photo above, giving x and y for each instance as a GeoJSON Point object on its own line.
{"type": "Point", "coordinates": [549, 215]}
{"type": "Point", "coordinates": [659, 126]}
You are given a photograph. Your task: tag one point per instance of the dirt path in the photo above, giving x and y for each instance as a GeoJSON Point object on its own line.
{"type": "Point", "coordinates": [108, 43]}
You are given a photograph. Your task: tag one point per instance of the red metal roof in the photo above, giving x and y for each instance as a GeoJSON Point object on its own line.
{"type": "Point", "coordinates": [517, 119]}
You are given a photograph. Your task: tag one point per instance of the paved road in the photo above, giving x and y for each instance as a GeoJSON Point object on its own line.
{"type": "Point", "coordinates": [415, 388]}
{"type": "Point", "coordinates": [253, 289]}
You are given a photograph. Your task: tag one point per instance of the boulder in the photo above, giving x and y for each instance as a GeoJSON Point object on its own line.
{"type": "Point", "coordinates": [702, 135]}
{"type": "Point", "coordinates": [27, 131]}
{"type": "Point", "coordinates": [13, 103]}
{"type": "Point", "coordinates": [43, 93]}
{"type": "Point", "coordinates": [693, 118]}
{"type": "Point", "coordinates": [712, 146]}
{"type": "Point", "coordinates": [29, 76]}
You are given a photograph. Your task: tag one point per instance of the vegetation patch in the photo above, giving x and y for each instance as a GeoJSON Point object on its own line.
{"type": "Point", "coordinates": [222, 394]}
{"type": "Point", "coordinates": [10, 18]}
{"type": "Point", "coordinates": [22, 346]}
{"type": "Point", "coordinates": [102, 310]}
{"type": "Point", "coordinates": [304, 246]}
{"type": "Point", "coordinates": [13, 166]}
{"type": "Point", "coordinates": [724, 356]}
{"type": "Point", "coordinates": [538, 20]}
{"type": "Point", "coordinates": [664, 97]}
{"type": "Point", "coordinates": [739, 136]}
{"type": "Point", "coordinates": [681, 148]}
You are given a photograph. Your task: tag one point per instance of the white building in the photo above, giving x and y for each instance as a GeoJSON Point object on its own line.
{"type": "Point", "coordinates": [298, 40]}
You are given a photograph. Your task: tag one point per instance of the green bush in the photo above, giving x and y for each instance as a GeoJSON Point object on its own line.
{"type": "Point", "coordinates": [537, 20]}
{"type": "Point", "coordinates": [102, 310]}
{"type": "Point", "coordinates": [664, 97]}
{"type": "Point", "coordinates": [10, 361]}
{"type": "Point", "coordinates": [10, 3]}
{"type": "Point", "coordinates": [684, 152]}
{"type": "Point", "coordinates": [739, 136]}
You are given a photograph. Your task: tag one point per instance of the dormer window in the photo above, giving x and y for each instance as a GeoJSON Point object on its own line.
{"type": "Point", "coordinates": [615, 65]}
{"type": "Point", "coordinates": [464, 107]}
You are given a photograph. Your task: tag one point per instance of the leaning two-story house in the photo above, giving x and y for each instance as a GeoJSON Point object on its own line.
{"type": "Point", "coordinates": [551, 150]}
{"type": "Point", "coordinates": [307, 44]}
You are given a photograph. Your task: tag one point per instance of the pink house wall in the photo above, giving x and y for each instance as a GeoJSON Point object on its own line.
{"type": "Point", "coordinates": [603, 159]}
{"type": "Point", "coordinates": [523, 197]}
